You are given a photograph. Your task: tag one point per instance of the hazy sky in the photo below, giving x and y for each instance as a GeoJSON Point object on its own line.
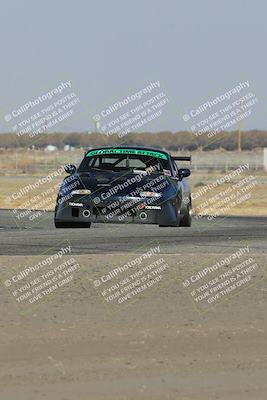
{"type": "Point", "coordinates": [110, 49]}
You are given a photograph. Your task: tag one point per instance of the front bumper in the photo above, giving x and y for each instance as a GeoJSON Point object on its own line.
{"type": "Point", "coordinates": [117, 210]}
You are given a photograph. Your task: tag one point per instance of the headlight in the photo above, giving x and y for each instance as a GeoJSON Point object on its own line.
{"type": "Point", "coordinates": [81, 191]}
{"type": "Point", "coordinates": [149, 194]}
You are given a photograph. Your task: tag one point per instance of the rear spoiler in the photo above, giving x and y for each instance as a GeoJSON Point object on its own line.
{"type": "Point", "coordinates": [182, 158]}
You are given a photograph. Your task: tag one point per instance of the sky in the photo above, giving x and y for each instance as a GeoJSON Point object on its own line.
{"type": "Point", "coordinates": [111, 49]}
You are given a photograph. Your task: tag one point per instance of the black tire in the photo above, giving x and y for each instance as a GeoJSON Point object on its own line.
{"type": "Point", "coordinates": [66, 225]}
{"type": "Point", "coordinates": [187, 218]}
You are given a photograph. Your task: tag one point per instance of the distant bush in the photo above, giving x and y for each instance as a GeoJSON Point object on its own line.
{"type": "Point", "coordinates": [178, 141]}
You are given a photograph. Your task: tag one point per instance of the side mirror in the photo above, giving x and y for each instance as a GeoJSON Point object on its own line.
{"type": "Point", "coordinates": [70, 169]}
{"type": "Point", "coordinates": [183, 173]}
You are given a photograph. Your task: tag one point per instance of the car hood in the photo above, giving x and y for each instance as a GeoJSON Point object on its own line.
{"type": "Point", "coordinates": [126, 183]}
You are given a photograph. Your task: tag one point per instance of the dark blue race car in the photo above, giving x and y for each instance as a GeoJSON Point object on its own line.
{"type": "Point", "coordinates": [125, 185]}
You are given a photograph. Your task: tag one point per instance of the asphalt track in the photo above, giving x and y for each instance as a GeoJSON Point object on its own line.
{"type": "Point", "coordinates": [217, 236]}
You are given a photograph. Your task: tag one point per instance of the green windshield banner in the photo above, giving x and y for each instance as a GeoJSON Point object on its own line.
{"type": "Point", "coordinates": [138, 152]}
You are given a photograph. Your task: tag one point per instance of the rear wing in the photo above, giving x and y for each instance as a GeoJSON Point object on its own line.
{"type": "Point", "coordinates": [182, 158]}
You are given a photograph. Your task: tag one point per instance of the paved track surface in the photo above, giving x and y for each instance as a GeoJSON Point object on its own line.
{"type": "Point", "coordinates": [204, 236]}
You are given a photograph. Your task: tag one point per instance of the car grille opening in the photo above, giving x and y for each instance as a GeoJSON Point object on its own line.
{"type": "Point", "coordinates": [75, 212]}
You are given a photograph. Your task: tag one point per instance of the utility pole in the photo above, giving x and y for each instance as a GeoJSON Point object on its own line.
{"type": "Point", "coordinates": [16, 161]}
{"type": "Point", "coordinates": [240, 132]}
{"type": "Point", "coordinates": [239, 140]}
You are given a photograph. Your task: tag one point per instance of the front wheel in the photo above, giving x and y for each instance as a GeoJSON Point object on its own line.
{"type": "Point", "coordinates": [187, 217]}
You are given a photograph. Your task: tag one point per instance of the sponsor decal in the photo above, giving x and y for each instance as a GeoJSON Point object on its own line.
{"type": "Point", "coordinates": [140, 152]}
{"type": "Point", "coordinates": [75, 204]}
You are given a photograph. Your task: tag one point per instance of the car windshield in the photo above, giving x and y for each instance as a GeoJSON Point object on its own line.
{"type": "Point", "coordinates": [151, 162]}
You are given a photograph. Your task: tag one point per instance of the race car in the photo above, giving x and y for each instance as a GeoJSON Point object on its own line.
{"type": "Point", "coordinates": [125, 185]}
